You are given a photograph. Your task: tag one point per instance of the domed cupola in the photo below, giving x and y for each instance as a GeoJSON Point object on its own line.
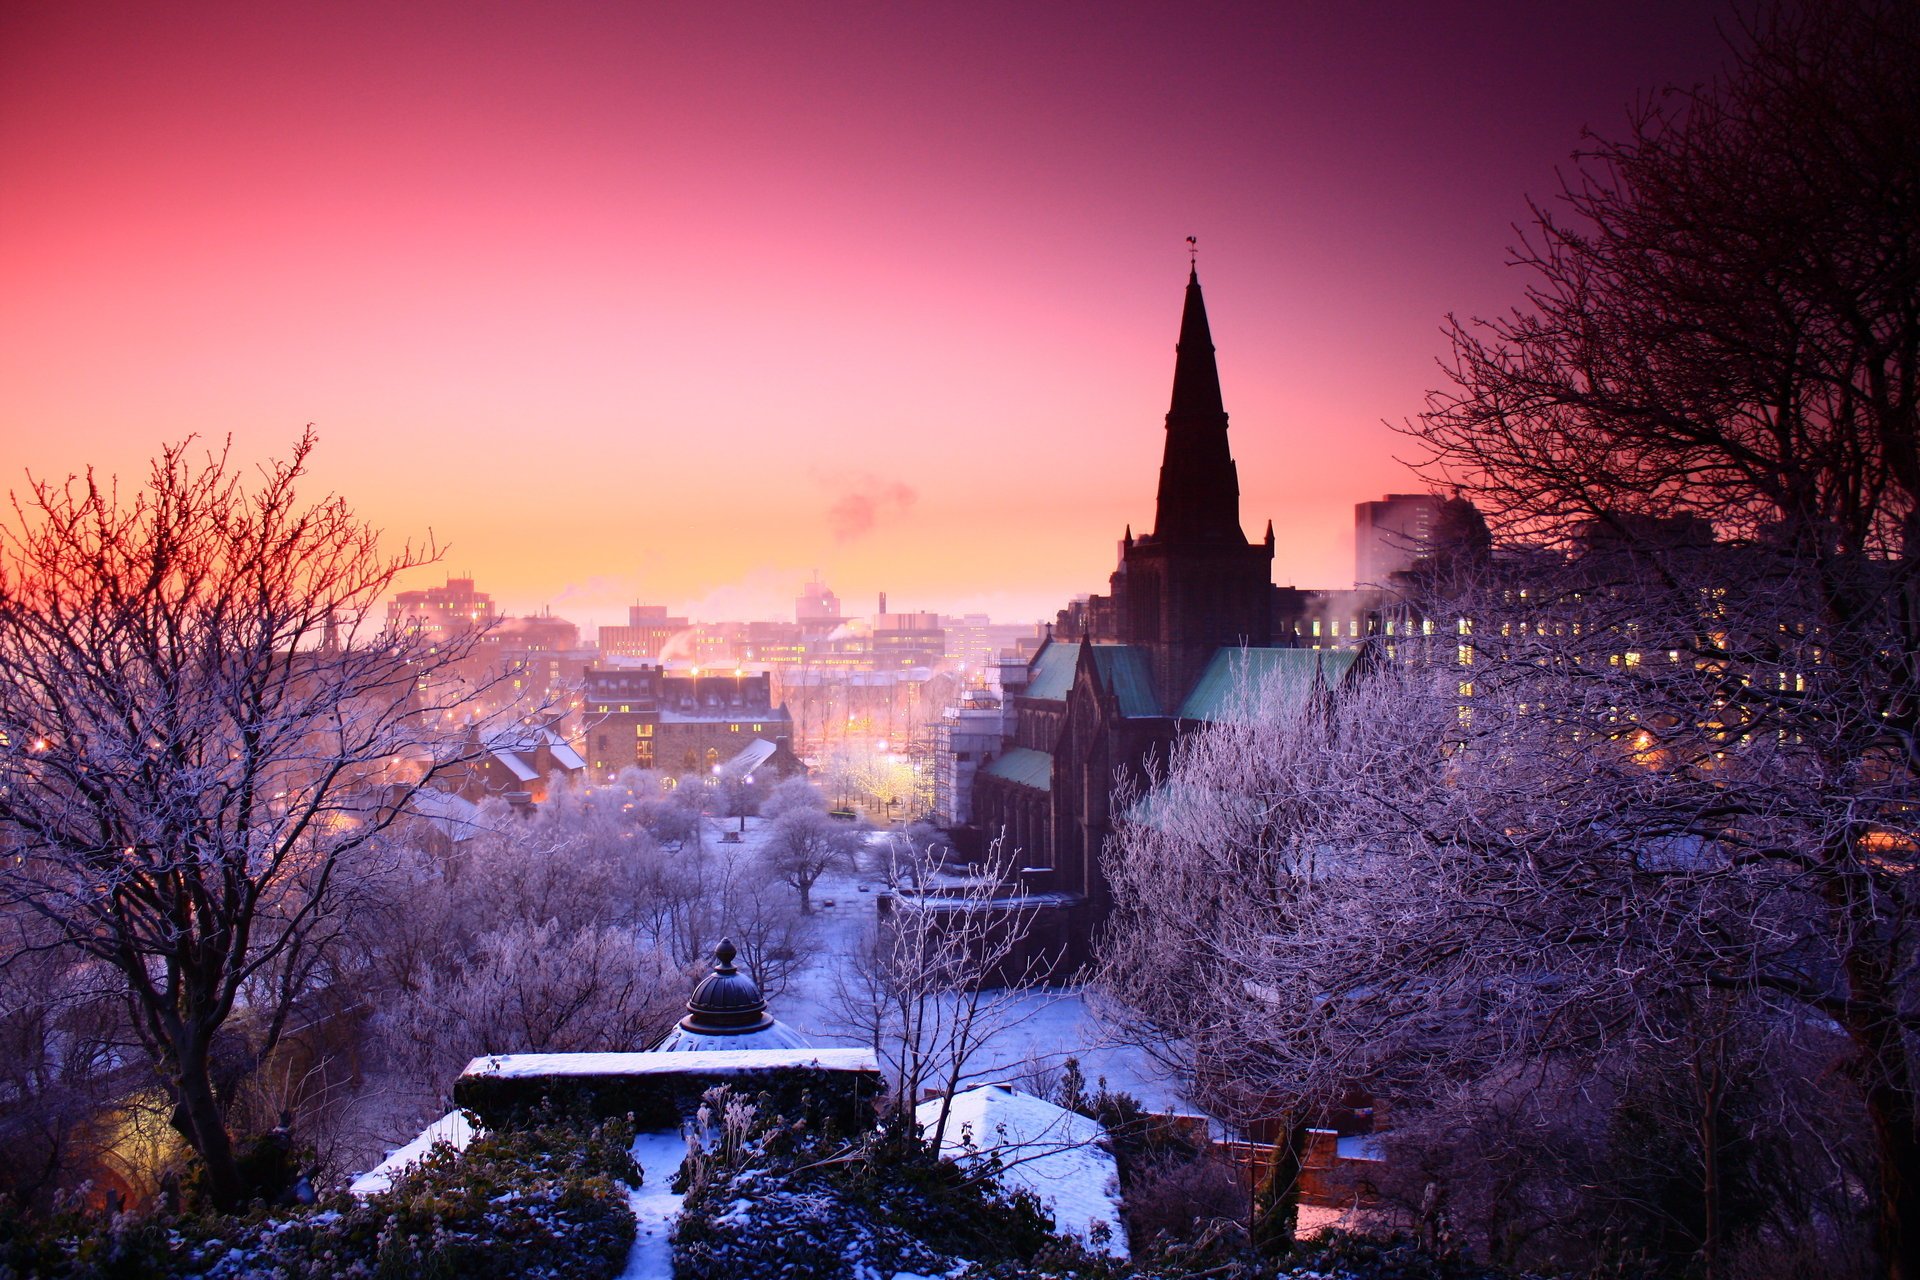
{"type": "Point", "coordinates": [727, 1011]}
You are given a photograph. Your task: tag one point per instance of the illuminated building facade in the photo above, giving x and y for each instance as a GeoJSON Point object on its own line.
{"type": "Point", "coordinates": [642, 717]}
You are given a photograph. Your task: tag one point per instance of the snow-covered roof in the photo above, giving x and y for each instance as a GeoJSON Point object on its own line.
{"type": "Point", "coordinates": [517, 766]}
{"type": "Point", "coordinates": [451, 1128]}
{"type": "Point", "coordinates": [1048, 1150]}
{"type": "Point", "coordinates": [510, 1066]}
{"type": "Point", "coordinates": [455, 817]}
{"type": "Point", "coordinates": [778, 1035]}
{"type": "Point", "coordinates": [935, 902]}
{"type": "Point", "coordinates": [510, 746]}
{"type": "Point", "coordinates": [563, 753]}
{"type": "Point", "coordinates": [751, 757]}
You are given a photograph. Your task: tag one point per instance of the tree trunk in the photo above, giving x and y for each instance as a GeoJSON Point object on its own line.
{"type": "Point", "coordinates": [1889, 1090]}
{"type": "Point", "coordinates": [197, 1117]}
{"type": "Point", "coordinates": [1276, 1216]}
{"type": "Point", "coordinates": [1710, 1174]}
{"type": "Point", "coordinates": [1897, 1145]}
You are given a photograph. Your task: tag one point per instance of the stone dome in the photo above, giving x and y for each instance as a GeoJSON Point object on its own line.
{"type": "Point", "coordinates": [727, 1011]}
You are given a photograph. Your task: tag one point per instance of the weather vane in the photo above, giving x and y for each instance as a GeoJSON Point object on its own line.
{"type": "Point", "coordinates": [1193, 250]}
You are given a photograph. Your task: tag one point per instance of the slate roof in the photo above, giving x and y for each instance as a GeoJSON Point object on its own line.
{"type": "Point", "coordinates": [1124, 669]}
{"type": "Point", "coordinates": [751, 757]}
{"type": "Point", "coordinates": [1285, 674]}
{"type": "Point", "coordinates": [1024, 766]}
{"type": "Point", "coordinates": [1051, 676]}
{"type": "Point", "coordinates": [515, 747]}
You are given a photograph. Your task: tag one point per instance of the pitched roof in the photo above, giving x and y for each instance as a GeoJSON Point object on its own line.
{"type": "Point", "coordinates": [1051, 675]}
{"type": "Point", "coordinates": [751, 757]}
{"type": "Point", "coordinates": [1023, 766]}
{"type": "Point", "coordinates": [1125, 671]}
{"type": "Point", "coordinates": [1058, 1155]}
{"type": "Point", "coordinates": [1287, 675]}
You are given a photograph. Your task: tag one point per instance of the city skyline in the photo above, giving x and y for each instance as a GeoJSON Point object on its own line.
{"type": "Point", "coordinates": [649, 305]}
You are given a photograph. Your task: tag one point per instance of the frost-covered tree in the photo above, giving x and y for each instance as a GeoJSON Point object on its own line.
{"type": "Point", "coordinates": [202, 731]}
{"type": "Point", "coordinates": [1716, 378]}
{"type": "Point", "coordinates": [1476, 883]}
{"type": "Point", "coordinates": [804, 844]}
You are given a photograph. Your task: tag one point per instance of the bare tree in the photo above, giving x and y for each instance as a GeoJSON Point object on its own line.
{"type": "Point", "coordinates": [63, 1042]}
{"type": "Point", "coordinates": [201, 734]}
{"type": "Point", "coordinates": [804, 844]}
{"type": "Point", "coordinates": [1724, 330]}
{"type": "Point", "coordinates": [947, 969]}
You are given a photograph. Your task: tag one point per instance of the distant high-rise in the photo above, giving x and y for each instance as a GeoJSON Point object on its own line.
{"type": "Point", "coordinates": [441, 613]}
{"type": "Point", "coordinates": [817, 610]}
{"type": "Point", "coordinates": [815, 603]}
{"type": "Point", "coordinates": [645, 636]}
{"type": "Point", "coordinates": [1391, 534]}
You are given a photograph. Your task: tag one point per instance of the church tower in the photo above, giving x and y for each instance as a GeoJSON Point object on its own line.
{"type": "Point", "coordinates": [1195, 584]}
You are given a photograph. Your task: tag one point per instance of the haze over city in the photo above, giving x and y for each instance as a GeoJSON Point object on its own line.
{"type": "Point", "coordinates": [679, 303]}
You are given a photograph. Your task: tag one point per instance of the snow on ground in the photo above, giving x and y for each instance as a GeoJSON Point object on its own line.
{"type": "Point", "coordinates": [1047, 1150]}
{"type": "Point", "coordinates": [654, 1205]}
{"type": "Point", "coordinates": [1043, 1028]}
{"type": "Point", "coordinates": [451, 1128]}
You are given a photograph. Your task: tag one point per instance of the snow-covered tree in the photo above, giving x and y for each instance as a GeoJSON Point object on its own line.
{"type": "Point", "coordinates": [1715, 377]}
{"type": "Point", "coordinates": [202, 731]}
{"type": "Point", "coordinates": [804, 844]}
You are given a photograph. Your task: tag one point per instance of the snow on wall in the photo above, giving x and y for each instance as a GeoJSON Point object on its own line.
{"type": "Point", "coordinates": [1048, 1150]}
{"type": "Point", "coordinates": [512, 1066]}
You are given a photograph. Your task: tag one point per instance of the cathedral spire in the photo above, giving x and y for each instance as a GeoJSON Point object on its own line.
{"type": "Point", "coordinates": [1199, 486]}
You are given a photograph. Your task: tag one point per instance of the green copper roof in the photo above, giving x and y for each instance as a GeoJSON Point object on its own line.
{"type": "Point", "coordinates": [1051, 675]}
{"type": "Point", "coordinates": [1123, 669]}
{"type": "Point", "coordinates": [1286, 674]}
{"type": "Point", "coordinates": [1024, 766]}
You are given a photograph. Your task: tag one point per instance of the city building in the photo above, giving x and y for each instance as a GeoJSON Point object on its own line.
{"type": "Point", "coordinates": [975, 642]}
{"type": "Point", "coordinates": [816, 609]}
{"type": "Point", "coordinates": [645, 636]}
{"type": "Point", "coordinates": [907, 640]}
{"type": "Point", "coordinates": [1391, 535]}
{"type": "Point", "coordinates": [440, 613]}
{"type": "Point", "coordinates": [643, 717]}
{"type": "Point", "coordinates": [968, 734]}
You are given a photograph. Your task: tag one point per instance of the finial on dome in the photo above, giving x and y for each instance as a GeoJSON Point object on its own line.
{"type": "Point", "coordinates": [723, 957]}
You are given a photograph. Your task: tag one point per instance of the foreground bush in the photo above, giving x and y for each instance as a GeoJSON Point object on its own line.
{"type": "Point", "coordinates": [771, 1197]}
{"type": "Point", "coordinates": [541, 1202]}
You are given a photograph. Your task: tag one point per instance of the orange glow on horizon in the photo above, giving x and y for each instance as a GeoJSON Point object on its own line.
{"type": "Point", "coordinates": [675, 306]}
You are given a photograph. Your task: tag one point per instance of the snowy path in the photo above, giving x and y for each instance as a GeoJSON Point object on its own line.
{"type": "Point", "coordinates": [654, 1205]}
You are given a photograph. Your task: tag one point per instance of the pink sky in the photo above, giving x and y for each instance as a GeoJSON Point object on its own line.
{"type": "Point", "coordinates": [678, 303]}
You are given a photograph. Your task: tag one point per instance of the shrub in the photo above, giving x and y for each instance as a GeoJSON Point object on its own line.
{"type": "Point", "coordinates": [540, 1202]}
{"type": "Point", "coordinates": [771, 1197]}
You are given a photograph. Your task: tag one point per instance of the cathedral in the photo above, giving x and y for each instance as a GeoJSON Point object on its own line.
{"type": "Point", "coordinates": [1190, 619]}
